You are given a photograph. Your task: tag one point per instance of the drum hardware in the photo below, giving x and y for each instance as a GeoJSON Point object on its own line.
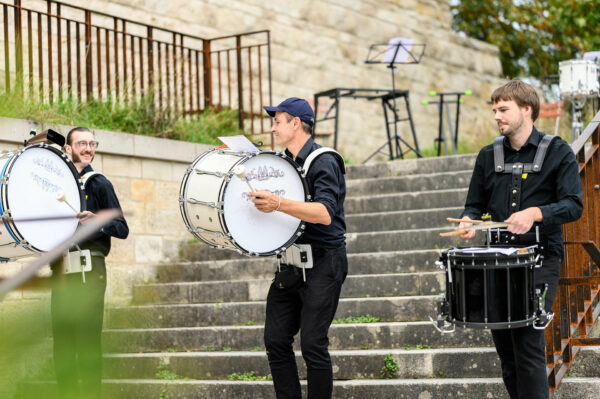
{"type": "Point", "coordinates": [217, 205]}
{"type": "Point", "coordinates": [543, 318]}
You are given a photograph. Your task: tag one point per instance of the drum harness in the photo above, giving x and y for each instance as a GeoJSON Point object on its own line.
{"type": "Point", "coordinates": [80, 261]}
{"type": "Point", "coordinates": [517, 170]}
{"type": "Point", "coordinates": [301, 255]}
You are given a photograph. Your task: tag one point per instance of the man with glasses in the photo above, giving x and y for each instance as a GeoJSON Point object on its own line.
{"type": "Point", "coordinates": [78, 298]}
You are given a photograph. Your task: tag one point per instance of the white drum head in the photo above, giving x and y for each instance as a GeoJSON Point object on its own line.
{"type": "Point", "coordinates": [35, 177]}
{"type": "Point", "coordinates": [253, 230]}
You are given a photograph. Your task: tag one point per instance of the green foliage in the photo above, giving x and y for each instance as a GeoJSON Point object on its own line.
{"type": "Point", "coordinates": [171, 350]}
{"type": "Point", "coordinates": [138, 117]}
{"type": "Point", "coordinates": [357, 319]}
{"type": "Point", "coordinates": [256, 349]}
{"type": "Point", "coordinates": [390, 367]}
{"type": "Point", "coordinates": [226, 349]}
{"type": "Point", "coordinates": [248, 376]}
{"type": "Point", "coordinates": [163, 373]}
{"type": "Point", "coordinates": [532, 35]}
{"type": "Point", "coordinates": [209, 348]}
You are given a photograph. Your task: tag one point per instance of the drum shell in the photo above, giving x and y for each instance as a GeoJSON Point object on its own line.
{"type": "Point", "coordinates": [578, 79]}
{"type": "Point", "coordinates": [13, 243]}
{"type": "Point", "coordinates": [492, 291]}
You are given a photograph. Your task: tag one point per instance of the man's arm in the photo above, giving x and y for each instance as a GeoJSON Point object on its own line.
{"type": "Point", "coordinates": [107, 199]}
{"type": "Point", "coordinates": [311, 212]}
{"type": "Point", "coordinates": [326, 174]}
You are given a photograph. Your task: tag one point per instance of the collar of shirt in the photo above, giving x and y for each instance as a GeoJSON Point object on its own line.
{"type": "Point", "coordinates": [85, 170]}
{"type": "Point", "coordinates": [307, 148]}
{"type": "Point", "coordinates": [534, 140]}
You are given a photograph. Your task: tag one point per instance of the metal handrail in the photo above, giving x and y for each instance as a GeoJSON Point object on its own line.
{"type": "Point", "coordinates": [577, 304]}
{"type": "Point", "coordinates": [68, 51]}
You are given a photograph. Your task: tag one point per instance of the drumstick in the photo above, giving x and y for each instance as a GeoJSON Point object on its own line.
{"type": "Point", "coordinates": [61, 197]}
{"type": "Point", "coordinates": [240, 172]}
{"type": "Point", "coordinates": [484, 226]}
{"type": "Point", "coordinates": [464, 220]}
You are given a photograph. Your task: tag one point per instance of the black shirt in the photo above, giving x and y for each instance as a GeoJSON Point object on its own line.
{"type": "Point", "coordinates": [556, 189]}
{"type": "Point", "coordinates": [326, 184]}
{"type": "Point", "coordinates": [100, 194]}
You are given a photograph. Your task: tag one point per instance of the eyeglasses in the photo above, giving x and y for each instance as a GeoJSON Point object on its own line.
{"type": "Point", "coordinates": [84, 144]}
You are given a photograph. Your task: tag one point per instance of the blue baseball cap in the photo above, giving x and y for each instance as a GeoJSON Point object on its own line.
{"type": "Point", "coordinates": [296, 107]}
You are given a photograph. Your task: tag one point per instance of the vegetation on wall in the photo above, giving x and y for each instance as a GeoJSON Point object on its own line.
{"type": "Point", "coordinates": [138, 117]}
{"type": "Point", "coordinates": [533, 35]}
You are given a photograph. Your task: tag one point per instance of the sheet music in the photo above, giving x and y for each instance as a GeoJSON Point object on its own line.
{"type": "Point", "coordinates": [239, 144]}
{"type": "Point", "coordinates": [404, 45]}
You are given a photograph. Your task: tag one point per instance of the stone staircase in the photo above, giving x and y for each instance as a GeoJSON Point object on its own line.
{"type": "Point", "coordinates": [202, 320]}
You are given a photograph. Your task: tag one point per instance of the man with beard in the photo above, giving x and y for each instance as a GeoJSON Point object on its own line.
{"type": "Point", "coordinates": [77, 303]}
{"type": "Point", "coordinates": [529, 180]}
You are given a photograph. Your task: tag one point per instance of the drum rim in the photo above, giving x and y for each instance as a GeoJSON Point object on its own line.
{"type": "Point", "coordinates": [10, 226]}
{"type": "Point", "coordinates": [502, 325]}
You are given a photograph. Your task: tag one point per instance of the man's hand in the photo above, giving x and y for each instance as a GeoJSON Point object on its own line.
{"type": "Point", "coordinates": [265, 201]}
{"type": "Point", "coordinates": [522, 221]}
{"type": "Point", "coordinates": [86, 216]}
{"type": "Point", "coordinates": [469, 233]}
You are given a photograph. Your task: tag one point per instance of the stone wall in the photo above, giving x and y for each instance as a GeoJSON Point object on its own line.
{"type": "Point", "coordinates": [318, 45]}
{"type": "Point", "coordinates": [146, 173]}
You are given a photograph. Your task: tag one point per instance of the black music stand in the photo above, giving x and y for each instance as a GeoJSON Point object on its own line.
{"type": "Point", "coordinates": [397, 51]}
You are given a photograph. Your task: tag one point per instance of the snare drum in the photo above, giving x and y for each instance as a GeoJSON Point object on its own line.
{"type": "Point", "coordinates": [216, 208]}
{"type": "Point", "coordinates": [30, 179]}
{"type": "Point", "coordinates": [578, 79]}
{"type": "Point", "coordinates": [488, 288]}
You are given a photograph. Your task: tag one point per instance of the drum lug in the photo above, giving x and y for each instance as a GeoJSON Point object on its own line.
{"type": "Point", "coordinates": [440, 264]}
{"type": "Point", "coordinates": [441, 324]}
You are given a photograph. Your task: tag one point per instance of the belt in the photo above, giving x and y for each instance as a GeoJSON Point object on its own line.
{"type": "Point", "coordinates": [94, 253]}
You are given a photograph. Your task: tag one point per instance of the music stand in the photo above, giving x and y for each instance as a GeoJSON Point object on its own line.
{"type": "Point", "coordinates": [398, 50]}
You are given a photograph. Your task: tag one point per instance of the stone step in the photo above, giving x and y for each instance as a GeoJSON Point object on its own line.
{"type": "Point", "coordinates": [256, 268]}
{"type": "Point", "coordinates": [430, 388]}
{"type": "Point", "coordinates": [378, 285]}
{"type": "Point", "coordinates": [587, 363]}
{"type": "Point", "coordinates": [409, 183]}
{"type": "Point", "coordinates": [403, 308]}
{"type": "Point", "coordinates": [396, 335]}
{"type": "Point", "coordinates": [406, 201]}
{"type": "Point", "coordinates": [401, 220]}
{"type": "Point", "coordinates": [347, 364]}
{"type": "Point", "coordinates": [411, 166]}
{"type": "Point", "coordinates": [402, 240]}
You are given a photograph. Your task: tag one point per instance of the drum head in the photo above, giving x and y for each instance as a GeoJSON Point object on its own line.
{"type": "Point", "coordinates": [35, 177]}
{"type": "Point", "coordinates": [253, 230]}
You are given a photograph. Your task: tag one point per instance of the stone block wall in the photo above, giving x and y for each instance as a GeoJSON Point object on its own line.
{"type": "Point", "coordinates": [317, 45]}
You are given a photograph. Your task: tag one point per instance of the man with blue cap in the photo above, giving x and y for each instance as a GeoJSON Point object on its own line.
{"type": "Point", "coordinates": [305, 292]}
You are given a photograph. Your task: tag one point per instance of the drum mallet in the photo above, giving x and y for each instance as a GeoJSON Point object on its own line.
{"type": "Point", "coordinates": [240, 172]}
{"type": "Point", "coordinates": [61, 197]}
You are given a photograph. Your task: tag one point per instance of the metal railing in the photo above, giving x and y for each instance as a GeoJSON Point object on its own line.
{"type": "Point", "coordinates": [54, 51]}
{"type": "Point", "coordinates": [577, 303]}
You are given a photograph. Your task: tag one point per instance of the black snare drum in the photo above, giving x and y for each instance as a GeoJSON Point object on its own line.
{"type": "Point", "coordinates": [489, 287]}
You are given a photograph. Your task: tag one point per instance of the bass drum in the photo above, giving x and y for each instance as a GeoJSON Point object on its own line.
{"type": "Point", "coordinates": [31, 179]}
{"type": "Point", "coordinates": [216, 208]}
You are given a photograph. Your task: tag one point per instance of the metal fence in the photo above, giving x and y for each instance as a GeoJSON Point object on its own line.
{"type": "Point", "coordinates": [577, 303]}
{"type": "Point", "coordinates": [53, 51]}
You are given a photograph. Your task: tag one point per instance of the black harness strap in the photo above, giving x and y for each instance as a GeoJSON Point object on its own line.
{"type": "Point", "coordinates": [518, 168]}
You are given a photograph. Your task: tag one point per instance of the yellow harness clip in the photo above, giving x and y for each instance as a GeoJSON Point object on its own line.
{"type": "Point", "coordinates": [524, 176]}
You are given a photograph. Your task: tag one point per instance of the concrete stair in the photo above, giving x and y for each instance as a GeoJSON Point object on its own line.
{"type": "Point", "coordinates": [202, 319]}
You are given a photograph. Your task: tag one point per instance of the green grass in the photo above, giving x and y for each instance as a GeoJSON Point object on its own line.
{"type": "Point", "coordinates": [163, 373]}
{"type": "Point", "coordinates": [357, 319]}
{"type": "Point", "coordinates": [390, 367]}
{"type": "Point", "coordinates": [138, 117]}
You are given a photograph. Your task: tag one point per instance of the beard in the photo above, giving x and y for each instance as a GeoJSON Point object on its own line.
{"type": "Point", "coordinates": [513, 127]}
{"type": "Point", "coordinates": [77, 158]}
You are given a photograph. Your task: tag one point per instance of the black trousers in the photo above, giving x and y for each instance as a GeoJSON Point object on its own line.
{"type": "Point", "coordinates": [77, 315]}
{"type": "Point", "coordinates": [309, 308]}
{"type": "Point", "coordinates": [522, 350]}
